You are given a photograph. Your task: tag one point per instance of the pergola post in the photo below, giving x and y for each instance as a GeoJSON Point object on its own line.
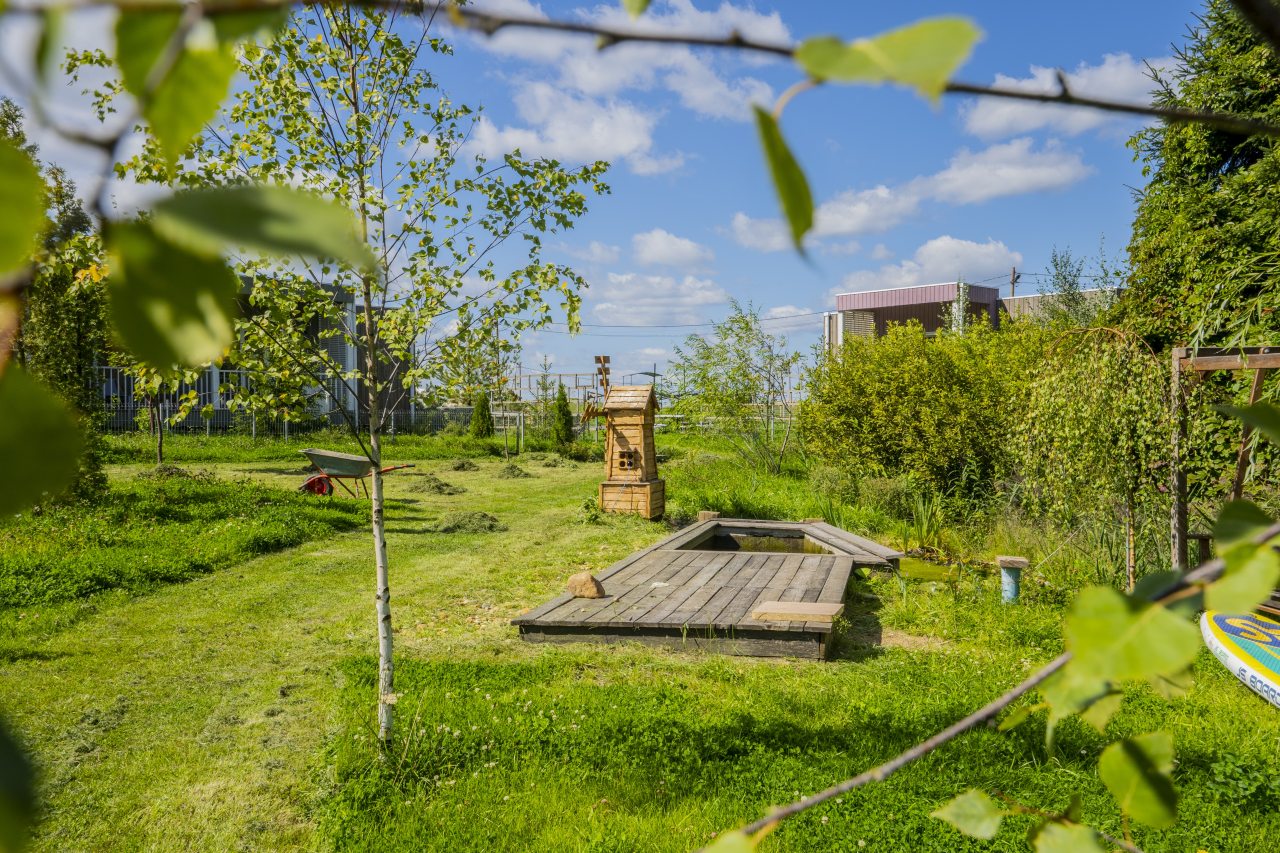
{"type": "Point", "coordinates": [1177, 475]}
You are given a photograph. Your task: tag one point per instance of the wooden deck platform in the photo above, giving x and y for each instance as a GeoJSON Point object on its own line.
{"type": "Point", "coordinates": [688, 591]}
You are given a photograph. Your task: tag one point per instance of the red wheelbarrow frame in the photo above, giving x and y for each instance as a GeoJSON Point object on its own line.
{"type": "Point", "coordinates": [336, 467]}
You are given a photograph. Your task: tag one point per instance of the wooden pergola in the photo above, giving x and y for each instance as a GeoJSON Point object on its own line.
{"type": "Point", "coordinates": [1192, 363]}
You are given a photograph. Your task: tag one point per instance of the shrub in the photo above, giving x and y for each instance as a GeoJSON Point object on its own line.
{"type": "Point", "coordinates": [481, 417]}
{"type": "Point", "coordinates": [940, 411]}
{"type": "Point", "coordinates": [562, 419]}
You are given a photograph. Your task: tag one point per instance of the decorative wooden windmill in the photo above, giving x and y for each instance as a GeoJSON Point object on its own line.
{"type": "Point", "coordinates": [630, 460]}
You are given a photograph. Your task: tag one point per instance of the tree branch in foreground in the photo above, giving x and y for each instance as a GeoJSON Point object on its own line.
{"type": "Point", "coordinates": [1264, 15]}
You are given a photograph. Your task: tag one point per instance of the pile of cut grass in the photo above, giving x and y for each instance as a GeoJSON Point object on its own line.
{"type": "Point", "coordinates": [468, 522]}
{"type": "Point", "coordinates": [512, 471]}
{"type": "Point", "coordinates": [430, 484]}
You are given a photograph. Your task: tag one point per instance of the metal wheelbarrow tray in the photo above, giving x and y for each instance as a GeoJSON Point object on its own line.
{"type": "Point", "coordinates": [336, 467]}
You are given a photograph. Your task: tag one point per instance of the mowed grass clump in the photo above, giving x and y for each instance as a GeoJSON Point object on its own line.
{"type": "Point", "coordinates": [156, 530]}
{"type": "Point", "coordinates": [430, 484]}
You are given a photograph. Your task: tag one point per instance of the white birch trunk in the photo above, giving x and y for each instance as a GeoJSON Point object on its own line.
{"type": "Point", "coordinates": [382, 594]}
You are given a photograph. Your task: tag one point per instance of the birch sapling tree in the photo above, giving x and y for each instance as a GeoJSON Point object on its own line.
{"type": "Point", "coordinates": [342, 103]}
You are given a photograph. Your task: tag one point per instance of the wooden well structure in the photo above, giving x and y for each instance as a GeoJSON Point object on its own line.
{"type": "Point", "coordinates": [630, 460]}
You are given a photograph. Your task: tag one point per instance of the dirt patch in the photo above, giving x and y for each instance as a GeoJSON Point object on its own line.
{"type": "Point", "coordinates": [463, 465]}
{"type": "Point", "coordinates": [432, 485]}
{"type": "Point", "coordinates": [468, 522]}
{"type": "Point", "coordinates": [512, 471]}
{"type": "Point", "coordinates": [872, 634]}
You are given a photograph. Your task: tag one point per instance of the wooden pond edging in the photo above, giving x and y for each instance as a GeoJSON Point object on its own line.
{"type": "Point", "coordinates": [675, 594]}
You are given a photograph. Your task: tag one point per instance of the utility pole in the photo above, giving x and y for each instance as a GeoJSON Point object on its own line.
{"type": "Point", "coordinates": [1014, 277]}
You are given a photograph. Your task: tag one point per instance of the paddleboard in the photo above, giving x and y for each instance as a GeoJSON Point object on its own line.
{"type": "Point", "coordinates": [1249, 646]}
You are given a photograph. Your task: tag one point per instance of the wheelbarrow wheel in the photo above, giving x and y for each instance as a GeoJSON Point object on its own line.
{"type": "Point", "coordinates": [317, 484]}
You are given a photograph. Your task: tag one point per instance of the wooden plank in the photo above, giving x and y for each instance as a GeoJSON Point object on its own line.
{"type": "Point", "coordinates": [738, 606]}
{"type": "Point", "coordinates": [618, 587]}
{"type": "Point", "coordinates": [755, 644]}
{"type": "Point", "coordinates": [661, 565]}
{"type": "Point", "coordinates": [1206, 363]}
{"type": "Point", "coordinates": [684, 613]}
{"type": "Point", "coordinates": [709, 565]}
{"type": "Point", "coordinates": [806, 581]}
{"type": "Point", "coordinates": [781, 579]}
{"type": "Point", "coordinates": [710, 613]}
{"type": "Point", "coordinates": [860, 542]}
{"type": "Point", "coordinates": [833, 591]}
{"type": "Point", "coordinates": [682, 573]}
{"type": "Point", "coordinates": [811, 611]}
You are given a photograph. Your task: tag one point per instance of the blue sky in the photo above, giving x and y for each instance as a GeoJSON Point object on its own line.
{"type": "Point", "coordinates": [908, 192]}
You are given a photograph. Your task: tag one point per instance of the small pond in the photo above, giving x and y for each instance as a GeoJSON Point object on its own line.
{"type": "Point", "coordinates": [723, 541]}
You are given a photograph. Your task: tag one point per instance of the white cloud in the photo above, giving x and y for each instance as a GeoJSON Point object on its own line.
{"type": "Point", "coordinates": [693, 76]}
{"type": "Point", "coordinates": [596, 253]}
{"type": "Point", "coordinates": [1003, 169]}
{"type": "Point", "coordinates": [944, 258]}
{"type": "Point", "coordinates": [862, 211]}
{"type": "Point", "coordinates": [653, 352]}
{"type": "Point", "coordinates": [763, 235]}
{"type": "Point", "coordinates": [664, 248]}
{"type": "Point", "coordinates": [881, 252]}
{"type": "Point", "coordinates": [1118, 77]}
{"type": "Point", "coordinates": [790, 318]}
{"type": "Point", "coordinates": [574, 128]}
{"type": "Point", "coordinates": [846, 247]}
{"type": "Point", "coordinates": [1010, 168]}
{"type": "Point", "coordinates": [632, 299]}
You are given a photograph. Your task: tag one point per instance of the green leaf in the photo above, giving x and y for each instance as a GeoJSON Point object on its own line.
{"type": "Point", "coordinates": [271, 220]}
{"type": "Point", "coordinates": [1020, 716]}
{"type": "Point", "coordinates": [17, 792]}
{"type": "Point", "coordinates": [1251, 574]}
{"type": "Point", "coordinates": [1057, 837]}
{"type": "Point", "coordinates": [731, 842]}
{"type": "Point", "coordinates": [635, 8]}
{"type": "Point", "coordinates": [50, 35]}
{"type": "Point", "coordinates": [1136, 771]}
{"type": "Point", "coordinates": [788, 178]}
{"type": "Point", "coordinates": [973, 813]}
{"type": "Point", "coordinates": [1240, 520]}
{"type": "Point", "coordinates": [1118, 638]}
{"type": "Point", "coordinates": [1263, 417]}
{"type": "Point", "coordinates": [40, 442]}
{"type": "Point", "coordinates": [1173, 686]}
{"type": "Point", "coordinates": [22, 200]}
{"type": "Point", "coordinates": [1100, 712]}
{"type": "Point", "coordinates": [922, 55]}
{"type": "Point", "coordinates": [1074, 690]}
{"type": "Point", "coordinates": [169, 305]}
{"type": "Point", "coordinates": [189, 94]}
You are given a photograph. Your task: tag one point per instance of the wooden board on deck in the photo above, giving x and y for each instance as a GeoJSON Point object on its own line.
{"type": "Point", "coordinates": [786, 611]}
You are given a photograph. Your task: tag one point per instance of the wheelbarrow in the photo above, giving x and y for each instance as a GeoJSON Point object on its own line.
{"type": "Point", "coordinates": [336, 467]}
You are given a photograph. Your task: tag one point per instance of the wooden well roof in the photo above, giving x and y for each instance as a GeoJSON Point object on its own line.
{"type": "Point", "coordinates": [629, 398]}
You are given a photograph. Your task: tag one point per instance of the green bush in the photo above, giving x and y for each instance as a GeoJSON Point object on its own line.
{"type": "Point", "coordinates": [481, 417]}
{"type": "Point", "coordinates": [562, 419]}
{"type": "Point", "coordinates": [939, 410]}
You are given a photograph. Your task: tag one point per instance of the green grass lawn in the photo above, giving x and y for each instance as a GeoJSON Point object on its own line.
{"type": "Point", "coordinates": [235, 710]}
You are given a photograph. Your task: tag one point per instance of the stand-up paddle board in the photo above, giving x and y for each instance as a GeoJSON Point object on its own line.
{"type": "Point", "coordinates": [1249, 646]}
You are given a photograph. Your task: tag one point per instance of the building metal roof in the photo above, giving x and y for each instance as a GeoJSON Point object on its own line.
{"type": "Point", "coordinates": [867, 300]}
